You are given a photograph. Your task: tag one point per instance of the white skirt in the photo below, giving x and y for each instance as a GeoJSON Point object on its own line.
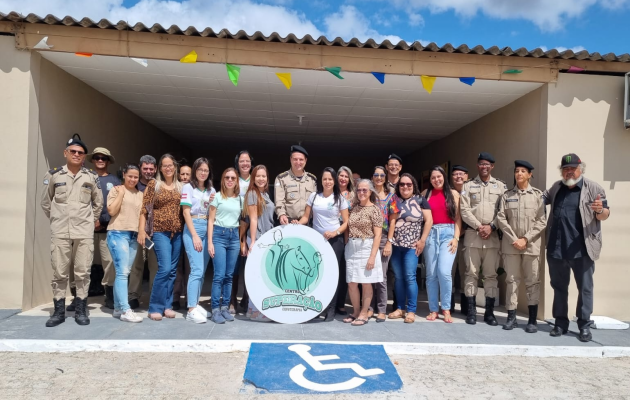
{"type": "Point", "coordinates": [357, 254]}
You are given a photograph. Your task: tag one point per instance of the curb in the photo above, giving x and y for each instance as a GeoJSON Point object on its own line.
{"type": "Point", "coordinates": [230, 346]}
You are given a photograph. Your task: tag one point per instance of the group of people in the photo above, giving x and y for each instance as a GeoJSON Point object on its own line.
{"type": "Point", "coordinates": [458, 225]}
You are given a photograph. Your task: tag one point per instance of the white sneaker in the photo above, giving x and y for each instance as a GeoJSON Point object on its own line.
{"type": "Point", "coordinates": [203, 311]}
{"type": "Point", "coordinates": [130, 316]}
{"type": "Point", "coordinates": [196, 316]}
{"type": "Point", "coordinates": [117, 313]}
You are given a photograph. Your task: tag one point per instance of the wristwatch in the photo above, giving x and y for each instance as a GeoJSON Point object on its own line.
{"type": "Point", "coordinates": [338, 233]}
{"type": "Point", "coordinates": [390, 240]}
{"type": "Point", "coordinates": [494, 228]}
{"type": "Point", "coordinates": [600, 211]}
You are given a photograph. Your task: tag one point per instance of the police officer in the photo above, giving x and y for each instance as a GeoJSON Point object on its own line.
{"type": "Point", "coordinates": [479, 205]}
{"type": "Point", "coordinates": [293, 187]}
{"type": "Point", "coordinates": [521, 218]}
{"type": "Point", "coordinates": [459, 175]}
{"type": "Point", "coordinates": [73, 201]}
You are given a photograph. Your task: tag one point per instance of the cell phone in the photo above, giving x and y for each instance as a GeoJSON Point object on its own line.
{"type": "Point", "coordinates": [148, 244]}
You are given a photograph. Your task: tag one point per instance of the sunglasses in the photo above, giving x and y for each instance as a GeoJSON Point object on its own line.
{"type": "Point", "coordinates": [100, 158]}
{"type": "Point", "coordinates": [379, 175]}
{"type": "Point", "coordinates": [406, 184]}
{"type": "Point", "coordinates": [230, 178]}
{"type": "Point", "coordinates": [362, 190]}
{"type": "Point", "coordinates": [79, 152]}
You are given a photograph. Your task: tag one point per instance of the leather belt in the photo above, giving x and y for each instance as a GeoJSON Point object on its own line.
{"type": "Point", "coordinates": [199, 216]}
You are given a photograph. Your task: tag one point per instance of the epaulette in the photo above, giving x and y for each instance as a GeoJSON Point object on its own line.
{"type": "Point", "coordinates": [312, 176]}
{"type": "Point", "coordinates": [536, 190]}
{"type": "Point", "coordinates": [283, 175]}
{"type": "Point", "coordinates": [503, 182]}
{"type": "Point", "coordinates": [89, 170]}
{"type": "Point", "coordinates": [55, 170]}
{"type": "Point", "coordinates": [470, 180]}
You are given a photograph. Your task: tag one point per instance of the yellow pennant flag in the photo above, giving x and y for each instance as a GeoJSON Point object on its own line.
{"type": "Point", "coordinates": [428, 82]}
{"type": "Point", "coordinates": [285, 78]}
{"type": "Point", "coordinates": [189, 58]}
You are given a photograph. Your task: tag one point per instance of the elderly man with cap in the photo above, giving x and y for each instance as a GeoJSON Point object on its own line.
{"type": "Point", "coordinates": [394, 166]}
{"type": "Point", "coordinates": [522, 220]}
{"type": "Point", "coordinates": [293, 187]}
{"type": "Point", "coordinates": [574, 242]}
{"type": "Point", "coordinates": [479, 205]}
{"type": "Point", "coordinates": [459, 176]}
{"type": "Point", "coordinates": [72, 200]}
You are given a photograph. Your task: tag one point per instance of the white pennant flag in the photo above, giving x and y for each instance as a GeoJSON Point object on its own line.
{"type": "Point", "coordinates": [43, 44]}
{"type": "Point", "coordinates": [141, 61]}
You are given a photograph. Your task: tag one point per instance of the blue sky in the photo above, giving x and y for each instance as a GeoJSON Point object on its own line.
{"type": "Point", "coordinates": [594, 25]}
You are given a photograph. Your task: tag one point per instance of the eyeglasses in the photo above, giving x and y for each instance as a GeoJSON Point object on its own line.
{"type": "Point", "coordinates": [79, 152]}
{"type": "Point", "coordinates": [405, 184]}
{"type": "Point", "coordinates": [172, 166]}
{"type": "Point", "coordinates": [484, 165]}
{"type": "Point", "coordinates": [230, 178]}
{"type": "Point", "coordinates": [363, 190]}
{"type": "Point", "coordinates": [459, 174]}
{"type": "Point", "coordinates": [379, 175]}
{"type": "Point", "coordinates": [204, 171]}
{"type": "Point", "coordinates": [100, 158]}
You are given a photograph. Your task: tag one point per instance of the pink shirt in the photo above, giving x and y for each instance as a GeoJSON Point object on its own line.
{"type": "Point", "coordinates": [437, 201]}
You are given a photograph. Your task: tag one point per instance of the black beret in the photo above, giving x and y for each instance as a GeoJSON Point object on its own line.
{"type": "Point", "coordinates": [76, 141]}
{"type": "Point", "coordinates": [299, 149]}
{"type": "Point", "coordinates": [459, 168]}
{"type": "Point", "coordinates": [394, 157]}
{"type": "Point", "coordinates": [485, 156]}
{"type": "Point", "coordinates": [524, 164]}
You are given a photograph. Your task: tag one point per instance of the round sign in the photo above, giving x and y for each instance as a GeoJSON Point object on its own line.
{"type": "Point", "coordinates": [291, 274]}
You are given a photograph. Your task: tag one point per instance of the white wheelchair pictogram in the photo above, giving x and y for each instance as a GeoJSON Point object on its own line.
{"type": "Point", "coordinates": [297, 372]}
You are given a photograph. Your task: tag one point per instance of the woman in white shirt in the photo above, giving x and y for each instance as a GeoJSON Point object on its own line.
{"type": "Point", "coordinates": [329, 207]}
{"type": "Point", "coordinates": [196, 198]}
{"type": "Point", "coordinates": [243, 163]}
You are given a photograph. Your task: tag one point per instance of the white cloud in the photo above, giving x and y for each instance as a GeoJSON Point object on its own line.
{"type": "Point", "coordinates": [233, 15]}
{"type": "Point", "coordinates": [548, 15]}
{"type": "Point", "coordinates": [416, 19]}
{"type": "Point", "coordinates": [351, 23]}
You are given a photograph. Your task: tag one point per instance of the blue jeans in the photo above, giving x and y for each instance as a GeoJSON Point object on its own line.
{"type": "Point", "coordinates": [123, 246]}
{"type": "Point", "coordinates": [439, 263]}
{"type": "Point", "coordinates": [226, 249]}
{"type": "Point", "coordinates": [404, 262]}
{"type": "Point", "coordinates": [167, 250]}
{"type": "Point", "coordinates": [198, 260]}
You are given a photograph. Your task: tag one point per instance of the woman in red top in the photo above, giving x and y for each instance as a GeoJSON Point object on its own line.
{"type": "Point", "coordinates": [441, 246]}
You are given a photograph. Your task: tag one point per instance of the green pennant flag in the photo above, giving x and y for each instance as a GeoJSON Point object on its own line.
{"type": "Point", "coordinates": [513, 71]}
{"type": "Point", "coordinates": [233, 73]}
{"type": "Point", "coordinates": [335, 71]}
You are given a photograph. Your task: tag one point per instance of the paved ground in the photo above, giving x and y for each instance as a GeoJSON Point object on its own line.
{"type": "Point", "coordinates": [219, 376]}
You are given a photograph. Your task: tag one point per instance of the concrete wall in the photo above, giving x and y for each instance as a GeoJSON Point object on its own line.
{"type": "Point", "coordinates": [586, 118]}
{"type": "Point", "coordinates": [14, 114]}
{"type": "Point", "coordinates": [47, 106]}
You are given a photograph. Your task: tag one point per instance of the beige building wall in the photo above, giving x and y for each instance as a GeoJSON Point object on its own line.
{"type": "Point", "coordinates": [586, 118]}
{"type": "Point", "coordinates": [44, 107]}
{"type": "Point", "coordinates": [14, 114]}
{"type": "Point", "coordinates": [516, 131]}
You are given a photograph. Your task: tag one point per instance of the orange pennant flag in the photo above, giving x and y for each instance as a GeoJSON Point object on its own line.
{"type": "Point", "coordinates": [83, 54]}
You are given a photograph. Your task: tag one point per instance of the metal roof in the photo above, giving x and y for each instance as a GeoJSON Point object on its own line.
{"type": "Point", "coordinates": [321, 41]}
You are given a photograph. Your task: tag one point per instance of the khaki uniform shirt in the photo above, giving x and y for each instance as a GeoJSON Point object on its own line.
{"type": "Point", "coordinates": [72, 202]}
{"type": "Point", "coordinates": [479, 204]}
{"type": "Point", "coordinates": [521, 215]}
{"type": "Point", "coordinates": [292, 192]}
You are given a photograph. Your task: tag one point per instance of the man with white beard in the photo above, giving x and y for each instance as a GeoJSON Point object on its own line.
{"type": "Point", "coordinates": [574, 242]}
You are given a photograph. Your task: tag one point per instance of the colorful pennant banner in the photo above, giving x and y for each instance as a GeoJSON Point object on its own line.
{"type": "Point", "coordinates": [335, 71]}
{"type": "Point", "coordinates": [468, 81]}
{"type": "Point", "coordinates": [189, 58]}
{"type": "Point", "coordinates": [285, 78]}
{"type": "Point", "coordinates": [428, 82]}
{"type": "Point", "coordinates": [233, 73]}
{"type": "Point", "coordinates": [379, 76]}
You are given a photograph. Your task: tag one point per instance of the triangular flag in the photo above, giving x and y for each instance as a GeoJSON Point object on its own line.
{"type": "Point", "coordinates": [428, 82]}
{"type": "Point", "coordinates": [335, 71]}
{"type": "Point", "coordinates": [141, 61]}
{"type": "Point", "coordinates": [43, 44]}
{"type": "Point", "coordinates": [83, 54]}
{"type": "Point", "coordinates": [380, 76]}
{"type": "Point", "coordinates": [574, 70]}
{"type": "Point", "coordinates": [233, 73]}
{"type": "Point", "coordinates": [513, 71]}
{"type": "Point", "coordinates": [189, 58]}
{"type": "Point", "coordinates": [468, 81]}
{"type": "Point", "coordinates": [285, 78]}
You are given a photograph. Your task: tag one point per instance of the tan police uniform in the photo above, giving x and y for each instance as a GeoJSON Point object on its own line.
{"type": "Point", "coordinates": [521, 215]}
{"type": "Point", "coordinates": [73, 203]}
{"type": "Point", "coordinates": [479, 205]}
{"type": "Point", "coordinates": [292, 192]}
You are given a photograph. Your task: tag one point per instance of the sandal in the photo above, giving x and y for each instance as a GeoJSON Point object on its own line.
{"type": "Point", "coordinates": [155, 316]}
{"type": "Point", "coordinates": [432, 316]}
{"type": "Point", "coordinates": [410, 318]}
{"type": "Point", "coordinates": [370, 314]}
{"type": "Point", "coordinates": [380, 317]}
{"type": "Point", "coordinates": [447, 316]}
{"type": "Point", "coordinates": [349, 319]}
{"type": "Point", "coordinates": [168, 313]}
{"type": "Point", "coordinates": [397, 314]}
{"type": "Point", "coordinates": [362, 322]}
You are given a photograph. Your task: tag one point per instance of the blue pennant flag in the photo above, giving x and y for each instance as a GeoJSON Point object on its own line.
{"type": "Point", "coordinates": [380, 76]}
{"type": "Point", "coordinates": [467, 81]}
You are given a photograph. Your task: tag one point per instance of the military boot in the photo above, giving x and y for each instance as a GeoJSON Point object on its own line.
{"type": "Point", "coordinates": [511, 321]}
{"type": "Point", "coordinates": [488, 316]}
{"type": "Point", "coordinates": [72, 306]}
{"type": "Point", "coordinates": [463, 302]}
{"type": "Point", "coordinates": [81, 313]}
{"type": "Point", "coordinates": [59, 315]}
{"type": "Point", "coordinates": [471, 317]}
{"type": "Point", "coordinates": [109, 297]}
{"type": "Point", "coordinates": [532, 326]}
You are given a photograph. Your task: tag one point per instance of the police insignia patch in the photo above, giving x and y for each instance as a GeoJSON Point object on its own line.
{"type": "Point", "coordinates": [46, 182]}
{"type": "Point", "coordinates": [98, 183]}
